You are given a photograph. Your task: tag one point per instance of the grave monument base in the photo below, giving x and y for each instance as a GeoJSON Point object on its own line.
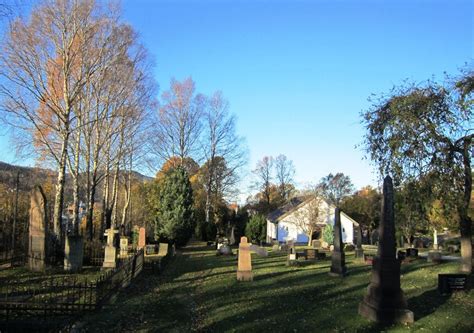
{"type": "Point", "coordinates": [110, 257]}
{"type": "Point", "coordinates": [244, 276]}
{"type": "Point", "coordinates": [338, 267]}
{"type": "Point", "coordinates": [434, 257]}
{"type": "Point", "coordinates": [385, 301]}
{"type": "Point", "coordinates": [385, 315]}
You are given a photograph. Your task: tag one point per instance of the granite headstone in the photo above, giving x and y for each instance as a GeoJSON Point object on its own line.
{"type": "Point", "coordinates": [385, 301]}
{"type": "Point", "coordinates": [338, 259]}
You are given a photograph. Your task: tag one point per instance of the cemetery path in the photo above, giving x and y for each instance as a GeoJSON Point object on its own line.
{"type": "Point", "coordinates": [445, 258]}
{"type": "Point", "coordinates": [167, 302]}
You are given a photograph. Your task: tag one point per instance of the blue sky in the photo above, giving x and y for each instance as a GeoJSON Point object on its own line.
{"type": "Point", "coordinates": [298, 73]}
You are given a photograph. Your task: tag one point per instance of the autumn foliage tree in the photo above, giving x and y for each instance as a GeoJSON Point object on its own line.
{"type": "Point", "coordinates": [364, 207]}
{"type": "Point", "coordinates": [334, 188]}
{"type": "Point", "coordinates": [45, 64]}
{"type": "Point", "coordinates": [75, 84]}
{"type": "Point", "coordinates": [419, 130]}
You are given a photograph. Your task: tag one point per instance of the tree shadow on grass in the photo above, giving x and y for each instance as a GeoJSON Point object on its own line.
{"type": "Point", "coordinates": [273, 275]}
{"type": "Point", "coordinates": [426, 303]}
{"type": "Point", "coordinates": [300, 308]}
{"type": "Point", "coordinates": [422, 305]}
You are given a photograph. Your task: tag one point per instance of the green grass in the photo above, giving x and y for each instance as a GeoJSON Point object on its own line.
{"type": "Point", "coordinates": [25, 276]}
{"type": "Point", "coordinates": [199, 292]}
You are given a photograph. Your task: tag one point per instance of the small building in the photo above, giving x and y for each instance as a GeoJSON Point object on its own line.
{"type": "Point", "coordinates": [290, 222]}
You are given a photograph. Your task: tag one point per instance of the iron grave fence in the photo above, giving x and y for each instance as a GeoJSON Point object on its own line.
{"type": "Point", "coordinates": [65, 295]}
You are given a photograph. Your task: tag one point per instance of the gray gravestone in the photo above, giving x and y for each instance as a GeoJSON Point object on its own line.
{"type": "Point", "coordinates": [291, 249]}
{"type": "Point", "coordinates": [163, 251]}
{"type": "Point", "coordinates": [225, 249]}
{"type": "Point", "coordinates": [359, 252]}
{"type": "Point", "coordinates": [110, 257]}
{"type": "Point", "coordinates": [292, 254]}
{"type": "Point", "coordinates": [385, 301]}
{"type": "Point", "coordinates": [123, 246]}
{"type": "Point", "coordinates": [73, 253]}
{"type": "Point", "coordinates": [232, 237]}
{"type": "Point", "coordinates": [338, 258]}
{"type": "Point", "coordinates": [434, 257]}
{"type": "Point", "coordinates": [260, 251]}
{"type": "Point", "coordinates": [316, 243]}
{"type": "Point", "coordinates": [412, 252]}
{"type": "Point", "coordinates": [151, 249]}
{"type": "Point", "coordinates": [448, 283]}
{"type": "Point", "coordinates": [311, 254]}
{"type": "Point", "coordinates": [37, 231]}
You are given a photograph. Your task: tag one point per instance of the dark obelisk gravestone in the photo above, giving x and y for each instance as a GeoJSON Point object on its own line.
{"type": "Point", "coordinates": [359, 252]}
{"type": "Point", "coordinates": [385, 302]}
{"type": "Point", "coordinates": [338, 259]}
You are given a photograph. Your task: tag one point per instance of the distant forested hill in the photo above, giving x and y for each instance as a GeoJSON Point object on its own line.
{"type": "Point", "coordinates": [31, 176]}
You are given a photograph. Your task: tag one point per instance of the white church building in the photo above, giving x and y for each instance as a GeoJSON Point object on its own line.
{"type": "Point", "coordinates": [288, 222]}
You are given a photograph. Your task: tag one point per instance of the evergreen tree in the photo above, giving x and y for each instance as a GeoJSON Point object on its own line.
{"type": "Point", "coordinates": [256, 228]}
{"type": "Point", "coordinates": [175, 216]}
{"type": "Point", "coordinates": [328, 234]}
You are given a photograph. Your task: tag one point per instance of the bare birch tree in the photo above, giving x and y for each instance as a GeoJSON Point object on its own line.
{"type": "Point", "coordinates": [223, 150]}
{"type": "Point", "coordinates": [311, 216]}
{"type": "Point", "coordinates": [178, 125]}
{"type": "Point", "coordinates": [44, 65]}
{"type": "Point", "coordinates": [285, 171]}
{"type": "Point", "coordinates": [263, 177]}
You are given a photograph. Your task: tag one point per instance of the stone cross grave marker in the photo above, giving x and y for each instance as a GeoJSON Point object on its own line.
{"type": "Point", "coordinates": [385, 301]}
{"type": "Point", "coordinates": [244, 268]}
{"type": "Point", "coordinates": [110, 258]}
{"type": "Point", "coordinates": [37, 231]}
{"type": "Point", "coordinates": [141, 238]}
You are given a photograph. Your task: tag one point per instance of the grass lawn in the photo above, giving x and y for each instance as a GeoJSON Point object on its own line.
{"type": "Point", "coordinates": [21, 275]}
{"type": "Point", "coordinates": [199, 292]}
